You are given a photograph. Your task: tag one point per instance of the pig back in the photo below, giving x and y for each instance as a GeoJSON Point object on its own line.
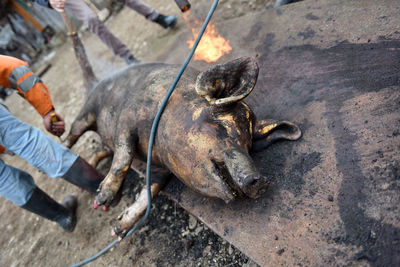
{"type": "Point", "coordinates": [137, 93]}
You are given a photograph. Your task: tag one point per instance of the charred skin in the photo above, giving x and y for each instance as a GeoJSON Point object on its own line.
{"type": "Point", "coordinates": [204, 135]}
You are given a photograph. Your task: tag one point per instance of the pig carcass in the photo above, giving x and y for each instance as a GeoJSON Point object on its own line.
{"type": "Point", "coordinates": [204, 136]}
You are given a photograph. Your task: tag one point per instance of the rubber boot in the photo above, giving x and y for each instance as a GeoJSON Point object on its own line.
{"type": "Point", "coordinates": [166, 21]}
{"type": "Point", "coordinates": [131, 60]}
{"type": "Point", "coordinates": [83, 175]}
{"type": "Point", "coordinates": [43, 205]}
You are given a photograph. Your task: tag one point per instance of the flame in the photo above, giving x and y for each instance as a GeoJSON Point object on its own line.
{"type": "Point", "coordinates": [212, 46]}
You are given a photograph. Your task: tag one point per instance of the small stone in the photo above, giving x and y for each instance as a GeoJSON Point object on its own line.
{"type": "Point", "coordinates": [330, 198]}
{"type": "Point", "coordinates": [372, 234]}
{"type": "Point", "coordinates": [279, 252]}
{"type": "Point", "coordinates": [198, 230]}
{"type": "Point", "coordinates": [185, 233]}
{"type": "Point", "coordinates": [385, 186]}
{"type": "Point", "coordinates": [230, 250]}
{"type": "Point", "coordinates": [192, 222]}
{"type": "Point", "coordinates": [207, 250]}
{"type": "Point", "coordinates": [276, 237]}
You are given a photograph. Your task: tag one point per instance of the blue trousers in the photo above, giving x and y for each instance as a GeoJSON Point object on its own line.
{"type": "Point", "coordinates": [37, 149]}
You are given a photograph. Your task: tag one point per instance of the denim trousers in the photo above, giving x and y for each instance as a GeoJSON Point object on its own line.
{"type": "Point", "coordinates": [37, 149]}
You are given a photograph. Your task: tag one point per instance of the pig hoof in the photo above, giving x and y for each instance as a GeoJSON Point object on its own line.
{"type": "Point", "coordinates": [105, 197]}
{"type": "Point", "coordinates": [121, 233]}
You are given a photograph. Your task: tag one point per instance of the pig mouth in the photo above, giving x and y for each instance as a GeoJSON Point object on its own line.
{"type": "Point", "coordinates": [227, 179]}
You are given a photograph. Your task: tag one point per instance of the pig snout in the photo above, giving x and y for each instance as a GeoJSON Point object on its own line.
{"type": "Point", "coordinates": [254, 185]}
{"type": "Point", "coordinates": [244, 176]}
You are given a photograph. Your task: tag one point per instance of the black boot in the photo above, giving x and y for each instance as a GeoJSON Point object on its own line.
{"type": "Point", "coordinates": [166, 21]}
{"type": "Point", "coordinates": [64, 214]}
{"type": "Point", "coordinates": [131, 60]}
{"type": "Point", "coordinates": [83, 175]}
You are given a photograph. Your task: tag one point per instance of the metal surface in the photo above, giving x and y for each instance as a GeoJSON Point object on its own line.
{"type": "Point", "coordinates": [332, 67]}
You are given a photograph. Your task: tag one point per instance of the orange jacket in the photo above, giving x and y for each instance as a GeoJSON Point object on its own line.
{"type": "Point", "coordinates": [16, 74]}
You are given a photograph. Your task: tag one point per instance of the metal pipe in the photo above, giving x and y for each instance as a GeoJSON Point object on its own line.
{"type": "Point", "coordinates": [183, 5]}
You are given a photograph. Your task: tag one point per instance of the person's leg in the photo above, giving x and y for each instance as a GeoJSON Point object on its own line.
{"type": "Point", "coordinates": [83, 175]}
{"type": "Point", "coordinates": [19, 187]}
{"type": "Point", "coordinates": [82, 12]}
{"type": "Point", "coordinates": [45, 154]}
{"type": "Point", "coordinates": [151, 13]}
{"type": "Point", "coordinates": [34, 146]}
{"type": "Point", "coordinates": [15, 185]}
{"type": "Point", "coordinates": [142, 8]}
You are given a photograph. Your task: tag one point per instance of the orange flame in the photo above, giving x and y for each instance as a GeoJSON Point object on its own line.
{"type": "Point", "coordinates": [212, 46]}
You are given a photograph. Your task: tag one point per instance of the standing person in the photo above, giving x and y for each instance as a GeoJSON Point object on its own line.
{"type": "Point", "coordinates": [84, 13]}
{"type": "Point", "coordinates": [38, 150]}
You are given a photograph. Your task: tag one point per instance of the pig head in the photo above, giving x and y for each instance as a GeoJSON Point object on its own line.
{"type": "Point", "coordinates": [205, 140]}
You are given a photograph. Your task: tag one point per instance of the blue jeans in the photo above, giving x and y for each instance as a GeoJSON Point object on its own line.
{"type": "Point", "coordinates": [37, 149]}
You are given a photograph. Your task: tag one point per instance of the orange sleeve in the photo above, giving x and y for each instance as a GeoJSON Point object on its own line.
{"type": "Point", "coordinates": [7, 64]}
{"type": "Point", "coordinates": [16, 74]}
{"type": "Point", "coordinates": [38, 96]}
{"type": "Point", "coordinates": [2, 149]}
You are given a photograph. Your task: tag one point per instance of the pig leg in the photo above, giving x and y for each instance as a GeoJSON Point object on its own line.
{"type": "Point", "coordinates": [268, 132]}
{"type": "Point", "coordinates": [127, 219]}
{"type": "Point", "coordinates": [84, 122]}
{"type": "Point", "coordinates": [98, 156]}
{"type": "Point", "coordinates": [123, 156]}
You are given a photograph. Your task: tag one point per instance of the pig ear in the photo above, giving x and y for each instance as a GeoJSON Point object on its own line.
{"type": "Point", "coordinates": [228, 83]}
{"type": "Point", "coordinates": [267, 132]}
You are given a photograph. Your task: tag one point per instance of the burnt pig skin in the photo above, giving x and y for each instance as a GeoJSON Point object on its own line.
{"type": "Point", "coordinates": [204, 135]}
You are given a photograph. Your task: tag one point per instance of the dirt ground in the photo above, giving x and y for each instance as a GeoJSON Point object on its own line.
{"type": "Point", "coordinates": [171, 237]}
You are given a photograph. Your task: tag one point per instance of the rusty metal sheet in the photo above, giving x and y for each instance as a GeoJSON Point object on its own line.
{"type": "Point", "coordinates": [333, 67]}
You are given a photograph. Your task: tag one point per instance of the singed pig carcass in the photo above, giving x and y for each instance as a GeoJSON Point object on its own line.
{"type": "Point", "coordinates": [203, 138]}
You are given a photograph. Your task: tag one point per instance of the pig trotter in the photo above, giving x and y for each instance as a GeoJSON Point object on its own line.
{"type": "Point", "coordinates": [70, 141]}
{"type": "Point", "coordinates": [108, 190]}
{"type": "Point", "coordinates": [105, 197]}
{"type": "Point", "coordinates": [123, 157]}
{"type": "Point", "coordinates": [96, 158]}
{"type": "Point", "coordinates": [131, 215]}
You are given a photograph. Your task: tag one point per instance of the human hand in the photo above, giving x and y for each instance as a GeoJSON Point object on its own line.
{"type": "Point", "coordinates": [54, 123]}
{"type": "Point", "coordinates": [58, 5]}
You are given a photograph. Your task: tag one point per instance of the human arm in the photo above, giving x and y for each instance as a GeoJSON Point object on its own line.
{"type": "Point", "coordinates": [16, 74]}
